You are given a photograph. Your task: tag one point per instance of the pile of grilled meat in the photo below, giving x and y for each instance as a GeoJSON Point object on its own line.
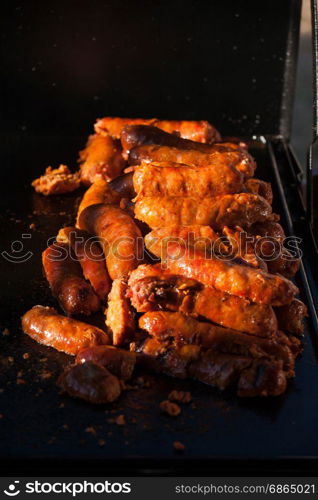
{"type": "Point", "coordinates": [175, 239]}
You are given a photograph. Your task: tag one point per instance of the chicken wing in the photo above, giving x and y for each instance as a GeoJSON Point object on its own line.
{"type": "Point", "coordinates": [47, 327]}
{"type": "Point", "coordinates": [118, 235]}
{"type": "Point", "coordinates": [66, 280]}
{"type": "Point", "coordinates": [101, 159]}
{"type": "Point", "coordinates": [174, 179]}
{"type": "Point", "coordinates": [241, 209]}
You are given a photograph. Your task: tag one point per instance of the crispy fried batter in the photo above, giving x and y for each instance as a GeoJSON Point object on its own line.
{"type": "Point", "coordinates": [57, 181]}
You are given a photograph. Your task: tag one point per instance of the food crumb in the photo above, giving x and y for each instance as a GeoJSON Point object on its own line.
{"type": "Point", "coordinates": [91, 430]}
{"type": "Point", "coordinates": [20, 381]}
{"type": "Point", "coordinates": [32, 226]}
{"type": "Point", "coordinates": [170, 408]}
{"type": "Point", "coordinates": [6, 332]}
{"type": "Point", "coordinates": [26, 355]}
{"type": "Point", "coordinates": [65, 426]}
{"type": "Point", "coordinates": [180, 396]}
{"type": "Point", "coordinates": [10, 359]}
{"type": "Point", "coordinates": [101, 442]}
{"type": "Point", "coordinates": [120, 420]}
{"type": "Point", "coordinates": [61, 405]}
{"type": "Point", "coordinates": [178, 446]}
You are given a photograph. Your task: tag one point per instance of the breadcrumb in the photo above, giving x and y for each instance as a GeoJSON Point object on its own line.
{"type": "Point", "coordinates": [170, 408]}
{"type": "Point", "coordinates": [57, 181]}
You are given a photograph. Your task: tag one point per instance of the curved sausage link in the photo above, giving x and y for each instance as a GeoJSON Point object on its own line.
{"type": "Point", "coordinates": [66, 281]}
{"type": "Point", "coordinates": [47, 327]}
{"type": "Point", "coordinates": [118, 361]}
{"type": "Point", "coordinates": [99, 192]}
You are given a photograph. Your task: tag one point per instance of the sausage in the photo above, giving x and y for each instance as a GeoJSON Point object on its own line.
{"type": "Point", "coordinates": [232, 277]}
{"type": "Point", "coordinates": [101, 159]}
{"type": "Point", "coordinates": [219, 154]}
{"type": "Point", "coordinates": [118, 235]}
{"type": "Point", "coordinates": [99, 192]}
{"type": "Point", "coordinates": [119, 316]}
{"type": "Point", "coordinates": [47, 327]}
{"type": "Point", "coordinates": [124, 185]}
{"type": "Point", "coordinates": [90, 256]}
{"type": "Point", "coordinates": [152, 288]}
{"type": "Point", "coordinates": [91, 382]}
{"type": "Point", "coordinates": [174, 179]}
{"type": "Point", "coordinates": [118, 361]}
{"type": "Point", "coordinates": [262, 378]}
{"type": "Point", "coordinates": [186, 330]}
{"type": "Point", "coordinates": [264, 189]}
{"type": "Point", "coordinates": [291, 317]}
{"type": "Point", "coordinates": [66, 281]}
{"type": "Point", "coordinates": [201, 131]}
{"type": "Point", "coordinates": [241, 209]}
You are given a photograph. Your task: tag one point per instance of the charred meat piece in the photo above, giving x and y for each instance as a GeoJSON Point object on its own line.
{"type": "Point", "coordinates": [176, 179]}
{"type": "Point", "coordinates": [101, 159]}
{"type": "Point", "coordinates": [151, 288]}
{"type": "Point", "coordinates": [90, 256]}
{"type": "Point", "coordinates": [219, 154]}
{"type": "Point", "coordinates": [124, 185]}
{"type": "Point", "coordinates": [241, 209]}
{"type": "Point", "coordinates": [262, 188]}
{"type": "Point", "coordinates": [91, 382]}
{"type": "Point", "coordinates": [118, 361]}
{"type": "Point", "coordinates": [232, 277]}
{"type": "Point", "coordinates": [200, 131]}
{"type": "Point", "coordinates": [57, 181]}
{"type": "Point", "coordinates": [47, 327]}
{"type": "Point", "coordinates": [66, 280]}
{"type": "Point", "coordinates": [118, 235]}
{"type": "Point", "coordinates": [291, 317]}
{"type": "Point", "coordinates": [119, 316]}
{"type": "Point", "coordinates": [262, 378]}
{"type": "Point", "coordinates": [99, 192]}
{"type": "Point", "coordinates": [186, 330]}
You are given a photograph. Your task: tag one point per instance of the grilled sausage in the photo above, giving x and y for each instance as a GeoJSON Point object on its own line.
{"type": "Point", "coordinates": [151, 288]}
{"type": "Point", "coordinates": [99, 192]}
{"type": "Point", "coordinates": [291, 317]}
{"type": "Point", "coordinates": [101, 159]}
{"type": "Point", "coordinates": [124, 185]}
{"type": "Point", "coordinates": [200, 131]}
{"type": "Point", "coordinates": [118, 235]}
{"type": "Point", "coordinates": [264, 189]}
{"type": "Point", "coordinates": [186, 330]}
{"type": "Point", "coordinates": [65, 277]}
{"type": "Point", "coordinates": [90, 256]}
{"type": "Point", "coordinates": [118, 361]}
{"type": "Point", "coordinates": [90, 382]}
{"type": "Point", "coordinates": [47, 327]}
{"type": "Point", "coordinates": [228, 210]}
{"type": "Point", "coordinates": [174, 179]}
{"type": "Point", "coordinates": [119, 317]}
{"type": "Point", "coordinates": [232, 277]}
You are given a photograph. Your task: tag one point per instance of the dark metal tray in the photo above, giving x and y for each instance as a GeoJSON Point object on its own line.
{"type": "Point", "coordinates": [43, 429]}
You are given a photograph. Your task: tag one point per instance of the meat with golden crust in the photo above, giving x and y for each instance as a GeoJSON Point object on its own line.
{"type": "Point", "coordinates": [118, 361]}
{"type": "Point", "coordinates": [99, 192]}
{"type": "Point", "coordinates": [175, 179]}
{"type": "Point", "coordinates": [57, 181]}
{"type": "Point", "coordinates": [64, 275]}
{"type": "Point", "coordinates": [264, 189]}
{"type": "Point", "coordinates": [91, 382]}
{"type": "Point", "coordinates": [119, 317]}
{"type": "Point", "coordinates": [152, 288]}
{"type": "Point", "coordinates": [219, 154]}
{"type": "Point", "coordinates": [101, 159]}
{"type": "Point", "coordinates": [186, 330]}
{"type": "Point", "coordinates": [241, 209]}
{"type": "Point", "coordinates": [200, 131]}
{"type": "Point", "coordinates": [90, 256]}
{"type": "Point", "coordinates": [118, 235]}
{"type": "Point", "coordinates": [47, 327]}
{"type": "Point", "coordinates": [232, 277]}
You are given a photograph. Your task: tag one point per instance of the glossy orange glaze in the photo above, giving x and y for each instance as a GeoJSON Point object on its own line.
{"type": "Point", "coordinates": [47, 327]}
{"type": "Point", "coordinates": [98, 192]}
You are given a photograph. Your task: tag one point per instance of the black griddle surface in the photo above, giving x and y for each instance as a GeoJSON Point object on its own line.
{"type": "Point", "coordinates": [38, 423]}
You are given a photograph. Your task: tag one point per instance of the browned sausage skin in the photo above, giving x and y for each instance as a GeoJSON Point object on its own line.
{"type": "Point", "coordinates": [66, 280]}
{"type": "Point", "coordinates": [47, 327]}
{"type": "Point", "coordinates": [119, 237]}
{"type": "Point", "coordinates": [101, 159]}
{"type": "Point", "coordinates": [99, 192]}
{"type": "Point", "coordinates": [90, 256]}
{"type": "Point", "coordinates": [118, 361]}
